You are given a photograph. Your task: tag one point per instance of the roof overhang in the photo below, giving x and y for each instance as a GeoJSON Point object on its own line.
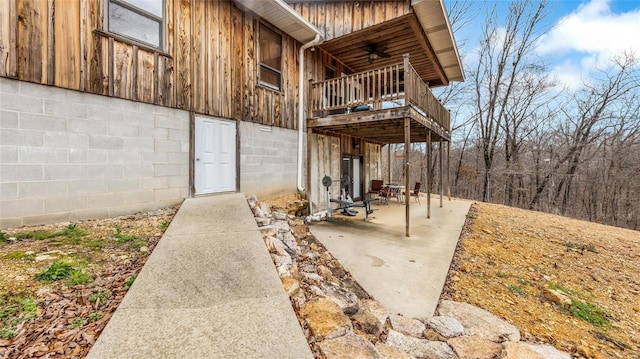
{"type": "Point", "coordinates": [434, 19]}
{"type": "Point", "coordinates": [281, 15]}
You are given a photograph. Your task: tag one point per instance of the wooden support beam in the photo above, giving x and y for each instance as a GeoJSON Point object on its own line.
{"type": "Point", "coordinates": [407, 149]}
{"type": "Point", "coordinates": [429, 174]}
{"type": "Point", "coordinates": [449, 170]}
{"type": "Point", "coordinates": [309, 191]}
{"type": "Point", "coordinates": [440, 166]}
{"type": "Point", "coordinates": [389, 162]}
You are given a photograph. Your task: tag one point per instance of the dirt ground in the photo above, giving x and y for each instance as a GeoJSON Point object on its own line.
{"type": "Point", "coordinates": [508, 257]}
{"type": "Point", "coordinates": [505, 260]}
{"type": "Point", "coordinates": [61, 316]}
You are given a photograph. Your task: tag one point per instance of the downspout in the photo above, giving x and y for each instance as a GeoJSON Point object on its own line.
{"type": "Point", "coordinates": [301, 103]}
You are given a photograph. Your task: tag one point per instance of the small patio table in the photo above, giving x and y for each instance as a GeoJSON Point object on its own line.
{"type": "Point", "coordinates": [398, 190]}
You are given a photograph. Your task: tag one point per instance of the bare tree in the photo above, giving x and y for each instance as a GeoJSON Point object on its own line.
{"type": "Point", "coordinates": [504, 55]}
{"type": "Point", "coordinates": [586, 116]}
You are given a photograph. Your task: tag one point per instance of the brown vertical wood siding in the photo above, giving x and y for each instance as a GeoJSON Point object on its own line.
{"type": "Point", "coordinates": [208, 63]}
{"type": "Point", "coordinates": [337, 18]}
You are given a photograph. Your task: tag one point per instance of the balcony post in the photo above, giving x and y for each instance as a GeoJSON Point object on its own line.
{"type": "Point", "coordinates": [407, 79]}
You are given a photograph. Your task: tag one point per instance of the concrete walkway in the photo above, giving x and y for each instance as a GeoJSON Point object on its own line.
{"type": "Point", "coordinates": [406, 275]}
{"type": "Point", "coordinates": [208, 290]}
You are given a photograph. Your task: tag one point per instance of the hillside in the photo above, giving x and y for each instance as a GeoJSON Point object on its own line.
{"type": "Point", "coordinates": [508, 258]}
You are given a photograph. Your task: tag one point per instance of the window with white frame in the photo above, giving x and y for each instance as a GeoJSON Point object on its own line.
{"type": "Point", "coordinates": [139, 20]}
{"type": "Point", "coordinates": [270, 57]}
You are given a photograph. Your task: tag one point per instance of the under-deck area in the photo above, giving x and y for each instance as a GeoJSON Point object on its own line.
{"type": "Point", "coordinates": [387, 105]}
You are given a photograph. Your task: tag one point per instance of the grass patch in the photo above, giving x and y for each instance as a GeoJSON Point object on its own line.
{"type": "Point", "coordinates": [95, 316]}
{"type": "Point", "coordinates": [77, 322]}
{"type": "Point", "coordinates": [581, 247]}
{"type": "Point", "coordinates": [516, 290]}
{"type": "Point", "coordinates": [13, 311]}
{"type": "Point", "coordinates": [70, 234]}
{"type": "Point", "coordinates": [57, 270]}
{"type": "Point", "coordinates": [501, 275]}
{"type": "Point", "coordinates": [560, 287]}
{"type": "Point", "coordinates": [60, 269]}
{"type": "Point", "coordinates": [3, 237]}
{"type": "Point", "coordinates": [471, 216]}
{"type": "Point", "coordinates": [129, 282]}
{"type": "Point", "coordinates": [123, 238]}
{"type": "Point", "coordinates": [100, 296]}
{"type": "Point", "coordinates": [79, 277]}
{"type": "Point", "coordinates": [37, 235]}
{"type": "Point", "coordinates": [164, 226]}
{"type": "Point", "coordinates": [139, 243]}
{"type": "Point", "coordinates": [19, 255]}
{"type": "Point", "coordinates": [589, 312]}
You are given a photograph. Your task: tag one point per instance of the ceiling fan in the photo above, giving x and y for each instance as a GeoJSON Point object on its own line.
{"type": "Point", "coordinates": [376, 52]}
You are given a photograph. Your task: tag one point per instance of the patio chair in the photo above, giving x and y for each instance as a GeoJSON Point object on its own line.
{"type": "Point", "coordinates": [385, 193]}
{"type": "Point", "coordinates": [416, 192]}
{"type": "Point", "coordinates": [376, 186]}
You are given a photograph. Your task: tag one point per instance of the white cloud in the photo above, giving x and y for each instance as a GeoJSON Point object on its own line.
{"type": "Point", "coordinates": [588, 38]}
{"type": "Point", "coordinates": [593, 28]}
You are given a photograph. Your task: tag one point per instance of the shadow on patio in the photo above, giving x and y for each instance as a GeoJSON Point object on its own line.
{"type": "Point", "coordinates": [405, 274]}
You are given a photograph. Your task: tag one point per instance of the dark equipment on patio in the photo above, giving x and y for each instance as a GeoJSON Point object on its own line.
{"type": "Point", "coordinates": [345, 204]}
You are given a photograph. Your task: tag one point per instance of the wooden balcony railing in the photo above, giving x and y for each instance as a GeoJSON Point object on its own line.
{"type": "Point", "coordinates": [391, 86]}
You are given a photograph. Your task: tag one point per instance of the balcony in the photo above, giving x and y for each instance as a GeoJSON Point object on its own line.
{"type": "Point", "coordinates": [370, 105]}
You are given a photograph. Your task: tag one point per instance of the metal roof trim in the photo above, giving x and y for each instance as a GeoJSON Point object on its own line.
{"type": "Point", "coordinates": [425, 10]}
{"type": "Point", "coordinates": [284, 17]}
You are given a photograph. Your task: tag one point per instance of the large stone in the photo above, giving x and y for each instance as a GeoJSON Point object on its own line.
{"type": "Point", "coordinates": [266, 208]}
{"type": "Point", "coordinates": [432, 335]}
{"type": "Point", "coordinates": [290, 285]}
{"type": "Point", "coordinates": [387, 352]}
{"type": "Point", "coordinates": [274, 245]}
{"type": "Point", "coordinates": [325, 319]}
{"type": "Point", "coordinates": [446, 326]}
{"type": "Point", "coordinates": [547, 351]}
{"type": "Point", "coordinates": [556, 296]}
{"type": "Point", "coordinates": [408, 326]}
{"type": "Point", "coordinates": [368, 323]}
{"type": "Point", "coordinates": [480, 322]}
{"type": "Point", "coordinates": [290, 243]}
{"type": "Point", "coordinates": [473, 347]}
{"type": "Point", "coordinates": [375, 308]}
{"type": "Point", "coordinates": [419, 348]}
{"type": "Point", "coordinates": [278, 215]}
{"type": "Point", "coordinates": [517, 350]}
{"type": "Point", "coordinates": [347, 301]}
{"type": "Point", "coordinates": [348, 347]}
{"type": "Point", "coordinates": [263, 221]}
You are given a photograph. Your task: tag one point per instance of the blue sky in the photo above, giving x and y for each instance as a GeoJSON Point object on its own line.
{"type": "Point", "coordinates": [583, 36]}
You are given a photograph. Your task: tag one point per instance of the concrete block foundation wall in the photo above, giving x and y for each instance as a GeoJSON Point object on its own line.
{"type": "Point", "coordinates": [67, 155]}
{"type": "Point", "coordinates": [268, 160]}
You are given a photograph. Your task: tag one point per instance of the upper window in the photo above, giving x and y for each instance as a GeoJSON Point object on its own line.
{"type": "Point", "coordinates": [270, 58]}
{"type": "Point", "coordinates": [140, 20]}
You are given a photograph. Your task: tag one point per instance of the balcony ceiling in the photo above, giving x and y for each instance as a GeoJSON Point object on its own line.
{"type": "Point", "coordinates": [381, 126]}
{"type": "Point", "coordinates": [402, 35]}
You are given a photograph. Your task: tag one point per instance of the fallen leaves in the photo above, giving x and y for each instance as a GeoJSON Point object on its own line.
{"type": "Point", "coordinates": [508, 256]}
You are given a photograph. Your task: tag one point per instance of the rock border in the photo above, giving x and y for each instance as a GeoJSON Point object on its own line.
{"type": "Point", "coordinates": [341, 320]}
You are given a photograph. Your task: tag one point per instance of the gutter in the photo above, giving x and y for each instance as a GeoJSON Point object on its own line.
{"type": "Point", "coordinates": [301, 103]}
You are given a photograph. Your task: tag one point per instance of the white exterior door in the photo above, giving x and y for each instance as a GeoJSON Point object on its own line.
{"type": "Point", "coordinates": [356, 177]}
{"type": "Point", "coordinates": [215, 156]}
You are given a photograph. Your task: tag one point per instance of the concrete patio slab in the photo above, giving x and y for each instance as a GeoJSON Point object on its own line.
{"type": "Point", "coordinates": [208, 290]}
{"type": "Point", "coordinates": [405, 274]}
